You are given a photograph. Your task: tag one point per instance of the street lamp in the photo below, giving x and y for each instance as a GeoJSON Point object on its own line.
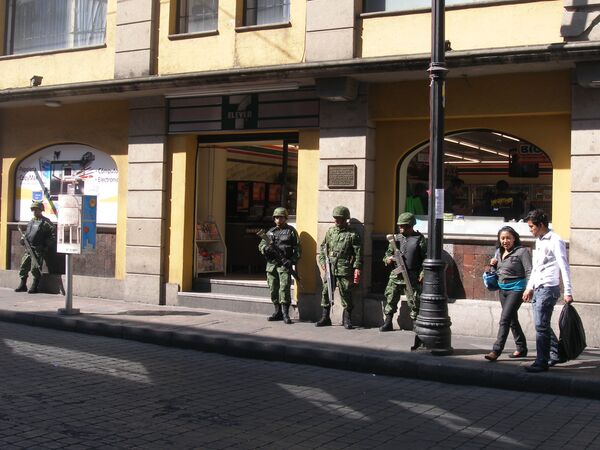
{"type": "Point", "coordinates": [433, 324]}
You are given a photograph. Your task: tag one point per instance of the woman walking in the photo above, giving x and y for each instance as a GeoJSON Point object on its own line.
{"type": "Point", "coordinates": [513, 266]}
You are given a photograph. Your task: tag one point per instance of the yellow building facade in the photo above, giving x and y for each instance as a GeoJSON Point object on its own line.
{"type": "Point", "coordinates": [207, 120]}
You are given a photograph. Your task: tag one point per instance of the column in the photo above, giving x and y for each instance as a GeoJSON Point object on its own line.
{"type": "Point", "coordinates": [146, 201]}
{"type": "Point", "coordinates": [330, 33]}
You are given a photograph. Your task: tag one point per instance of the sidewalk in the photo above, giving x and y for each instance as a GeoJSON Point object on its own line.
{"type": "Point", "coordinates": [252, 336]}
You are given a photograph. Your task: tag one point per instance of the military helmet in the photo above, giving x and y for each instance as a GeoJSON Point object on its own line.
{"type": "Point", "coordinates": [37, 204]}
{"type": "Point", "coordinates": [280, 212]}
{"type": "Point", "coordinates": [406, 219]}
{"type": "Point", "coordinates": [341, 211]}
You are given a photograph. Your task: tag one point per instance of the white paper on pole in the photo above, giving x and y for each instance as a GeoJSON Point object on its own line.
{"type": "Point", "coordinates": [439, 204]}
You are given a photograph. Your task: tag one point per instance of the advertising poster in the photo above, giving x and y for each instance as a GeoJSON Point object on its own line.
{"type": "Point", "coordinates": [67, 169]}
{"type": "Point", "coordinates": [88, 223]}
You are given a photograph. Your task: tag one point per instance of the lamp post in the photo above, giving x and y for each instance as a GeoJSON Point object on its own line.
{"type": "Point", "coordinates": [433, 324]}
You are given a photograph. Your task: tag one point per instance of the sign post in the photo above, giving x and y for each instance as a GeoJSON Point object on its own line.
{"type": "Point", "coordinates": [76, 232]}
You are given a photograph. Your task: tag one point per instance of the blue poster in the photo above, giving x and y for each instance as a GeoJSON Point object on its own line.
{"type": "Point", "coordinates": [88, 222]}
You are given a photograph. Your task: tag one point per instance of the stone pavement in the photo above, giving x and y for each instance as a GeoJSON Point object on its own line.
{"type": "Point", "coordinates": [252, 336]}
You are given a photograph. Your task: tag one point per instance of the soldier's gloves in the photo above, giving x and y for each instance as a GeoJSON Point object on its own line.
{"type": "Point", "coordinates": [22, 241]}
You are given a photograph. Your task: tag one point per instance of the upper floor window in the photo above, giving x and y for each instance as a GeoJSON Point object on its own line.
{"type": "Point", "coordinates": [407, 5]}
{"type": "Point", "coordinates": [42, 25]}
{"type": "Point", "coordinates": [196, 16]}
{"type": "Point", "coordinates": [264, 12]}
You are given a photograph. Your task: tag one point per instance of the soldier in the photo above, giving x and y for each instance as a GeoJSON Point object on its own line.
{"type": "Point", "coordinates": [343, 245]}
{"type": "Point", "coordinates": [40, 234]}
{"type": "Point", "coordinates": [413, 248]}
{"type": "Point", "coordinates": [281, 255]}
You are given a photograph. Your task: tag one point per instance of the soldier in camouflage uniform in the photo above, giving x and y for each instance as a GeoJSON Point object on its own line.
{"type": "Point", "coordinates": [413, 247]}
{"type": "Point", "coordinates": [41, 235]}
{"type": "Point", "coordinates": [280, 261]}
{"type": "Point", "coordinates": [343, 244]}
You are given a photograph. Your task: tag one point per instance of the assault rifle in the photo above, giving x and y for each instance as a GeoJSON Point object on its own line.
{"type": "Point", "coordinates": [277, 254]}
{"type": "Point", "coordinates": [400, 265]}
{"type": "Point", "coordinates": [35, 263]}
{"type": "Point", "coordinates": [329, 279]}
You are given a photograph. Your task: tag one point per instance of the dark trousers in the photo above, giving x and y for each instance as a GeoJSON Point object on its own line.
{"type": "Point", "coordinates": [511, 302]}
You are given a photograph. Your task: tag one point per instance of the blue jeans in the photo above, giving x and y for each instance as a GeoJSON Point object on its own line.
{"type": "Point", "coordinates": [544, 299]}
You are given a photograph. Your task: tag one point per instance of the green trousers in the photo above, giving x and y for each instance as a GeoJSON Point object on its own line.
{"type": "Point", "coordinates": [394, 289]}
{"type": "Point", "coordinates": [26, 265]}
{"type": "Point", "coordinates": [344, 285]}
{"type": "Point", "coordinates": [280, 284]}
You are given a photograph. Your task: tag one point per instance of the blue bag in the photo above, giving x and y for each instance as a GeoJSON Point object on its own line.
{"type": "Point", "coordinates": [490, 280]}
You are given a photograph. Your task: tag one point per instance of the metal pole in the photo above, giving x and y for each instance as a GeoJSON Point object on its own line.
{"type": "Point", "coordinates": [68, 309]}
{"type": "Point", "coordinates": [433, 324]}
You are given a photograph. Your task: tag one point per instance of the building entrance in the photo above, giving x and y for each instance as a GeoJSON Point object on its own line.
{"type": "Point", "coordinates": [240, 181]}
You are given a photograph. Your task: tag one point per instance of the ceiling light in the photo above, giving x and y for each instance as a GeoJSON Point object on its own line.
{"type": "Point", "coordinates": [506, 136]}
{"type": "Point", "coordinates": [53, 103]}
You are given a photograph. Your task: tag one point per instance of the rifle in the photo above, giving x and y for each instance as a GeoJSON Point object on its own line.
{"type": "Point", "coordinates": [35, 263]}
{"type": "Point", "coordinates": [400, 265]}
{"type": "Point", "coordinates": [329, 279]}
{"type": "Point", "coordinates": [278, 254]}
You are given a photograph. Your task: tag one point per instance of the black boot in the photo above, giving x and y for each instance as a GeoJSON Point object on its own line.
{"type": "Point", "coordinates": [277, 315]}
{"type": "Point", "coordinates": [286, 314]}
{"type": "Point", "coordinates": [346, 320]}
{"type": "Point", "coordinates": [418, 343]}
{"type": "Point", "coordinates": [22, 287]}
{"type": "Point", "coordinates": [387, 325]}
{"type": "Point", "coordinates": [34, 286]}
{"type": "Point", "coordinates": [325, 320]}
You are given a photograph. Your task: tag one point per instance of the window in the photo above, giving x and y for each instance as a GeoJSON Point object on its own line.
{"type": "Point", "coordinates": [197, 16]}
{"type": "Point", "coordinates": [41, 25]}
{"type": "Point", "coordinates": [264, 12]}
{"type": "Point", "coordinates": [408, 5]}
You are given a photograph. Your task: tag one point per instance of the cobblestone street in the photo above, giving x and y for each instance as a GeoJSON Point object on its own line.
{"type": "Point", "coordinates": [65, 390]}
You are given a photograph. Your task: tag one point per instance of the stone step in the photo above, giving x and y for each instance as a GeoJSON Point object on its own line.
{"type": "Point", "coordinates": [226, 302]}
{"type": "Point", "coordinates": [233, 287]}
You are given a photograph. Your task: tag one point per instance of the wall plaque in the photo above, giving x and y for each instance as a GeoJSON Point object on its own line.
{"type": "Point", "coordinates": [341, 177]}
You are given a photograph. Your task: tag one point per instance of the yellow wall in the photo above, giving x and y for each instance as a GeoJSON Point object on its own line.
{"type": "Point", "coordinates": [469, 28]}
{"type": "Point", "coordinates": [307, 207]}
{"type": "Point", "coordinates": [180, 210]}
{"type": "Point", "coordinates": [230, 48]}
{"type": "Point", "coordinates": [61, 67]}
{"type": "Point", "coordinates": [511, 104]}
{"type": "Point", "coordinates": [101, 125]}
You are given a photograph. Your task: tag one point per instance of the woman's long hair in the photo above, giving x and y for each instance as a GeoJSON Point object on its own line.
{"type": "Point", "coordinates": [512, 231]}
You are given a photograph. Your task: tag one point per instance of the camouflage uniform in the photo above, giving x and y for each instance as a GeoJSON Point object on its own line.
{"type": "Point", "coordinates": [40, 234]}
{"type": "Point", "coordinates": [285, 239]}
{"type": "Point", "coordinates": [344, 246]}
{"type": "Point", "coordinates": [414, 251]}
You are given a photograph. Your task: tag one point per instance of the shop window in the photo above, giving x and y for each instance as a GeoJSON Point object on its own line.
{"type": "Point", "coordinates": [264, 12]}
{"type": "Point", "coordinates": [67, 169]}
{"type": "Point", "coordinates": [409, 5]}
{"type": "Point", "coordinates": [487, 175]}
{"type": "Point", "coordinates": [197, 16]}
{"type": "Point", "coordinates": [43, 25]}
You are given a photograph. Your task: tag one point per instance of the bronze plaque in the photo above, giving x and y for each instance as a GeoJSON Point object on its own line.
{"type": "Point", "coordinates": [341, 177]}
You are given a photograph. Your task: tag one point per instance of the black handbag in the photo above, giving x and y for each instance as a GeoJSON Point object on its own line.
{"type": "Point", "coordinates": [572, 335]}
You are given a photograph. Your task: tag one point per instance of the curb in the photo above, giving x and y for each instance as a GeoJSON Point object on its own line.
{"type": "Point", "coordinates": [398, 364]}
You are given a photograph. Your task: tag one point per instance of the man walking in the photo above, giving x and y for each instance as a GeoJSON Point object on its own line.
{"type": "Point", "coordinates": [343, 245]}
{"type": "Point", "coordinates": [549, 264]}
{"type": "Point", "coordinates": [281, 255]}
{"type": "Point", "coordinates": [40, 234]}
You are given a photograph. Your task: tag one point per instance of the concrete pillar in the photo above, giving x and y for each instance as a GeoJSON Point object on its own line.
{"type": "Point", "coordinates": [330, 33]}
{"type": "Point", "coordinates": [348, 138]}
{"type": "Point", "coordinates": [580, 20]}
{"type": "Point", "coordinates": [584, 252]}
{"type": "Point", "coordinates": [146, 201]}
{"type": "Point", "coordinates": [135, 40]}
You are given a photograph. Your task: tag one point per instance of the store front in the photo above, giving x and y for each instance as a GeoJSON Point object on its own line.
{"type": "Point", "coordinates": [239, 185]}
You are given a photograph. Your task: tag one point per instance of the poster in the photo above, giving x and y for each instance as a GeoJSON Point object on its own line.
{"type": "Point", "coordinates": [67, 169]}
{"type": "Point", "coordinates": [68, 227]}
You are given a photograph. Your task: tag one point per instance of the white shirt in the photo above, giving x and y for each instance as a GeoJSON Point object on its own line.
{"type": "Point", "coordinates": [549, 263]}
